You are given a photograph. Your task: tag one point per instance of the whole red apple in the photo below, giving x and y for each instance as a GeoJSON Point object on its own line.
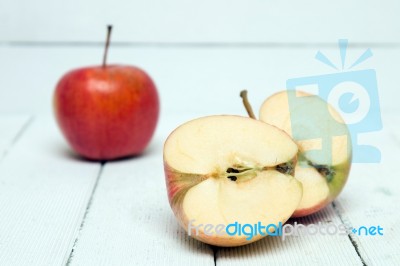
{"type": "Point", "coordinates": [107, 112]}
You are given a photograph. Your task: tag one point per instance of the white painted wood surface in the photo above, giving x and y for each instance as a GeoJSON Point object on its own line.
{"type": "Point", "coordinates": [206, 21]}
{"type": "Point", "coordinates": [296, 250]}
{"type": "Point", "coordinates": [44, 191]}
{"type": "Point", "coordinates": [130, 221]}
{"type": "Point", "coordinates": [11, 128]}
{"type": "Point", "coordinates": [372, 197]}
{"type": "Point", "coordinates": [49, 216]}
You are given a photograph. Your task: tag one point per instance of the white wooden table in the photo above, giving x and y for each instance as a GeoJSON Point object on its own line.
{"type": "Point", "coordinates": [57, 209]}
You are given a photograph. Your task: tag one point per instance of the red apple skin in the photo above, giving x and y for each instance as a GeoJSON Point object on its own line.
{"type": "Point", "coordinates": [174, 186]}
{"type": "Point", "coordinates": [107, 113]}
{"type": "Point", "coordinates": [177, 186]}
{"type": "Point", "coordinates": [311, 210]}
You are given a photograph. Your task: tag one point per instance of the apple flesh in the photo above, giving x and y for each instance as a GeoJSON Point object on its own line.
{"type": "Point", "coordinates": [107, 112]}
{"type": "Point", "coordinates": [223, 169]}
{"type": "Point", "coordinates": [324, 142]}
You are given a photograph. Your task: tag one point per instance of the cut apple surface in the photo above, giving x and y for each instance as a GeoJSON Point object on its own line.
{"type": "Point", "coordinates": [324, 145]}
{"type": "Point", "coordinates": [227, 169]}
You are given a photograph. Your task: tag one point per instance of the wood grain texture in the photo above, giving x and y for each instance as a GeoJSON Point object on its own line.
{"type": "Point", "coordinates": [307, 21]}
{"type": "Point", "coordinates": [296, 250]}
{"type": "Point", "coordinates": [12, 128]}
{"type": "Point", "coordinates": [372, 198]}
{"type": "Point", "coordinates": [44, 190]}
{"type": "Point", "coordinates": [130, 221]}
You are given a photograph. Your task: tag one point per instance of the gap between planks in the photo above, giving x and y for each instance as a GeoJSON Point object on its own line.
{"type": "Point", "coordinates": [89, 204]}
{"type": "Point", "coordinates": [353, 238]}
{"type": "Point", "coordinates": [17, 136]}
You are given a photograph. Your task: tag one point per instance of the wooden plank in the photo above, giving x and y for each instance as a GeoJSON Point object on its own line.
{"type": "Point", "coordinates": [372, 197]}
{"type": "Point", "coordinates": [296, 250]}
{"type": "Point", "coordinates": [11, 129]}
{"type": "Point", "coordinates": [206, 21]}
{"type": "Point", "coordinates": [44, 191]}
{"type": "Point", "coordinates": [130, 221]}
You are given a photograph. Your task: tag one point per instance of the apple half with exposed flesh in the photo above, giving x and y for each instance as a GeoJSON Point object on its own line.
{"type": "Point", "coordinates": [225, 169]}
{"type": "Point", "coordinates": [324, 142]}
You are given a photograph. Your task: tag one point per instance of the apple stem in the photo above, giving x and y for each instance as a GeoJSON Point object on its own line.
{"type": "Point", "coordinates": [109, 29]}
{"type": "Point", "coordinates": [246, 104]}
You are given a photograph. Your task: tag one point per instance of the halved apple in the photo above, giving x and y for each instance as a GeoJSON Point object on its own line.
{"type": "Point", "coordinates": [226, 169]}
{"type": "Point", "coordinates": [324, 142]}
